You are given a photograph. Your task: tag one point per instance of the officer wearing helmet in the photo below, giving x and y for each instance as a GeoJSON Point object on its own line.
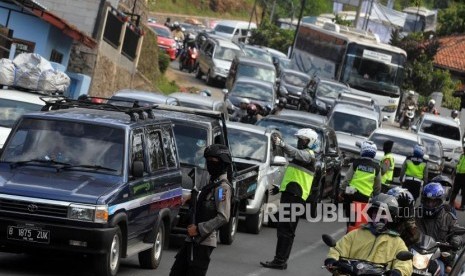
{"type": "Point", "coordinates": [455, 115]}
{"type": "Point", "coordinates": [295, 189]}
{"type": "Point", "coordinates": [241, 111]}
{"type": "Point", "coordinates": [377, 241]}
{"type": "Point", "coordinates": [430, 108]}
{"type": "Point", "coordinates": [362, 180]}
{"type": "Point", "coordinates": [280, 106]}
{"type": "Point", "coordinates": [434, 220]}
{"type": "Point", "coordinates": [211, 211]}
{"type": "Point", "coordinates": [414, 172]}
{"type": "Point", "coordinates": [177, 32]}
{"type": "Point", "coordinates": [387, 166]}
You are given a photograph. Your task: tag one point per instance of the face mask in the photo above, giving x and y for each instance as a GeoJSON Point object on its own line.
{"type": "Point", "coordinates": [301, 144]}
{"type": "Point", "coordinates": [215, 168]}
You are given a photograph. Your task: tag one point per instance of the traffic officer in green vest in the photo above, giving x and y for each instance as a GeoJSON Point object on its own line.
{"type": "Point", "coordinates": [414, 172]}
{"type": "Point", "coordinates": [295, 189]}
{"type": "Point", "coordinates": [387, 166]}
{"type": "Point", "coordinates": [459, 181]}
{"type": "Point", "coordinates": [362, 180]}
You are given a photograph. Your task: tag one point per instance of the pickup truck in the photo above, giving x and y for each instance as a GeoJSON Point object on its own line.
{"type": "Point", "coordinates": [252, 146]}
{"type": "Point", "coordinates": [91, 179]}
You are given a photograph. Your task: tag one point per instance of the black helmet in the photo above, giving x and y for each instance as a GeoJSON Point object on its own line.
{"type": "Point", "coordinates": [387, 204]}
{"type": "Point", "coordinates": [454, 113]}
{"type": "Point", "coordinates": [219, 151]}
{"type": "Point", "coordinates": [443, 180]}
{"type": "Point", "coordinates": [387, 146]}
{"type": "Point", "coordinates": [282, 102]}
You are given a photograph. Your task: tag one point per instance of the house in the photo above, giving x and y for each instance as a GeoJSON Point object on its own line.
{"type": "Point", "coordinates": [451, 56]}
{"type": "Point", "coordinates": [97, 42]}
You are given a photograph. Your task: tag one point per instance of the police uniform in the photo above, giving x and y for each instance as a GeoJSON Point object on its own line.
{"type": "Point", "coordinates": [459, 181]}
{"type": "Point", "coordinates": [413, 174]}
{"type": "Point", "coordinates": [212, 211]}
{"type": "Point", "coordinates": [387, 173]}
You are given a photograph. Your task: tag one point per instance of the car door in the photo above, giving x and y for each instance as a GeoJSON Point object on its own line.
{"type": "Point", "coordinates": [206, 50]}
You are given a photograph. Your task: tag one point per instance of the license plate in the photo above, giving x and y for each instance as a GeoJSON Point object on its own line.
{"type": "Point", "coordinates": [28, 234]}
{"type": "Point", "coordinates": [421, 272]}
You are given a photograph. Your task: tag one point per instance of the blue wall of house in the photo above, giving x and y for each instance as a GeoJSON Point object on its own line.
{"type": "Point", "coordinates": [31, 28]}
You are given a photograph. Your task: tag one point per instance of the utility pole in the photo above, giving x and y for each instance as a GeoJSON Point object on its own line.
{"type": "Point", "coordinates": [357, 15]}
{"type": "Point", "coordinates": [251, 14]}
{"type": "Point", "coordinates": [298, 26]}
{"type": "Point", "coordinates": [272, 11]}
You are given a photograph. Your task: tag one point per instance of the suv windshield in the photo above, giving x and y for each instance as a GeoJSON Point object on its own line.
{"type": "Point", "coordinates": [353, 124]}
{"type": "Point", "coordinates": [433, 148]}
{"type": "Point", "coordinates": [295, 80]}
{"type": "Point", "coordinates": [11, 110]}
{"type": "Point", "coordinates": [225, 53]}
{"type": "Point", "coordinates": [247, 145]}
{"type": "Point", "coordinates": [441, 130]}
{"type": "Point", "coordinates": [252, 91]}
{"type": "Point", "coordinates": [191, 142]}
{"type": "Point", "coordinates": [255, 72]}
{"type": "Point", "coordinates": [401, 146]}
{"type": "Point", "coordinates": [330, 90]}
{"type": "Point", "coordinates": [76, 144]}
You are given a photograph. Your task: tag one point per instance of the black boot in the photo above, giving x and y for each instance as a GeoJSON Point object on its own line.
{"type": "Point", "coordinates": [275, 264]}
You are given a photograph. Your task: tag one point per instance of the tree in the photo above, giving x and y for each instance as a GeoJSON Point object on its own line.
{"type": "Point", "coordinates": [451, 20]}
{"type": "Point", "coordinates": [270, 35]}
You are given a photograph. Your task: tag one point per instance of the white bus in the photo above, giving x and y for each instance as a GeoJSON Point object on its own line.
{"type": "Point", "coordinates": [371, 68]}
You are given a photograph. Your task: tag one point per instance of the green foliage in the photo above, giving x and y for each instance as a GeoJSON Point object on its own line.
{"type": "Point", "coordinates": [163, 61]}
{"type": "Point", "coordinates": [270, 35]}
{"type": "Point", "coordinates": [291, 8]}
{"type": "Point", "coordinates": [343, 22]}
{"type": "Point", "coordinates": [451, 20]}
{"type": "Point", "coordinates": [226, 9]}
{"type": "Point", "coordinates": [166, 86]}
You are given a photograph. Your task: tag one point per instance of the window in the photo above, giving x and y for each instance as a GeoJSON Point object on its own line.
{"type": "Point", "coordinates": [137, 145]}
{"type": "Point", "coordinates": [155, 148]}
{"type": "Point", "coordinates": [23, 46]}
{"type": "Point", "coordinates": [170, 146]}
{"type": "Point", "coordinates": [56, 56]}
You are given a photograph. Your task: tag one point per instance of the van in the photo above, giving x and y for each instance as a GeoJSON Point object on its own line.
{"type": "Point", "coordinates": [237, 31]}
{"type": "Point", "coordinates": [243, 66]}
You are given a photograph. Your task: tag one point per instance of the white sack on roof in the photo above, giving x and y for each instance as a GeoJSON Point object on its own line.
{"type": "Point", "coordinates": [7, 72]}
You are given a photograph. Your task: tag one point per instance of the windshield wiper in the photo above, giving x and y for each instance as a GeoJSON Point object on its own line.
{"type": "Point", "coordinates": [93, 167]}
{"type": "Point", "coordinates": [248, 158]}
{"type": "Point", "coordinates": [40, 161]}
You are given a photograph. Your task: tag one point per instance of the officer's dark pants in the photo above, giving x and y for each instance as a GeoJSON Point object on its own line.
{"type": "Point", "coordinates": [459, 185]}
{"type": "Point", "coordinates": [348, 199]}
{"type": "Point", "coordinates": [414, 187]}
{"type": "Point", "coordinates": [183, 266]}
{"type": "Point", "coordinates": [286, 228]}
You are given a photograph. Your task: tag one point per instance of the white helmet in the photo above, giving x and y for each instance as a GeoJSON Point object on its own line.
{"type": "Point", "coordinates": [309, 134]}
{"type": "Point", "coordinates": [245, 101]}
{"type": "Point", "coordinates": [432, 102]}
{"type": "Point", "coordinates": [411, 92]}
{"type": "Point", "coordinates": [368, 149]}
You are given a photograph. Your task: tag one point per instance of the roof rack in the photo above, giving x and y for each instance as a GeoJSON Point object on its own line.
{"type": "Point", "coordinates": [22, 89]}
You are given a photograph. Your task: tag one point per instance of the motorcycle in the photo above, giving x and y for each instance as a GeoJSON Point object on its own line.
{"type": "Point", "coordinates": [355, 267]}
{"type": "Point", "coordinates": [188, 59]}
{"type": "Point", "coordinates": [408, 117]}
{"type": "Point", "coordinates": [179, 46]}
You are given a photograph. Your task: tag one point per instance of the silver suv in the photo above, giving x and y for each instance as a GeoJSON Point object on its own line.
{"type": "Point", "coordinates": [215, 57]}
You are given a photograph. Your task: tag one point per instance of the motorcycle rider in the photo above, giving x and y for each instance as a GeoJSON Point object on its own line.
{"type": "Point", "coordinates": [414, 172]}
{"type": "Point", "coordinates": [387, 166]}
{"type": "Point", "coordinates": [189, 42]}
{"type": "Point", "coordinates": [241, 111]}
{"type": "Point", "coordinates": [252, 115]}
{"type": "Point", "coordinates": [409, 101]}
{"type": "Point", "coordinates": [280, 106]}
{"type": "Point", "coordinates": [430, 108]}
{"type": "Point", "coordinates": [211, 212]}
{"type": "Point", "coordinates": [459, 181]}
{"type": "Point", "coordinates": [376, 241]}
{"type": "Point", "coordinates": [455, 115]}
{"type": "Point", "coordinates": [362, 180]}
{"type": "Point", "coordinates": [295, 189]}
{"type": "Point", "coordinates": [434, 220]}
{"type": "Point", "coordinates": [178, 35]}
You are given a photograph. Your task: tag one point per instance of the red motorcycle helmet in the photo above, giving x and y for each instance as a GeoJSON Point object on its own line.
{"type": "Point", "coordinates": [252, 109]}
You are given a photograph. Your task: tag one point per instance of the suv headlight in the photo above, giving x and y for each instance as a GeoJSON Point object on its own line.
{"type": "Point", "coordinates": [458, 150]}
{"type": "Point", "coordinates": [90, 213]}
{"type": "Point", "coordinates": [389, 108]}
{"type": "Point", "coordinates": [220, 70]}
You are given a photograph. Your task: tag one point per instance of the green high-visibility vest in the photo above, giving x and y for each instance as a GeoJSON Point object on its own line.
{"type": "Point", "coordinates": [300, 175]}
{"type": "Point", "coordinates": [387, 177]}
{"type": "Point", "coordinates": [363, 181]}
{"type": "Point", "coordinates": [461, 165]}
{"type": "Point", "coordinates": [415, 170]}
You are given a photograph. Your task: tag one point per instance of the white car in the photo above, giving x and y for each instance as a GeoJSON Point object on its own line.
{"type": "Point", "coordinates": [13, 104]}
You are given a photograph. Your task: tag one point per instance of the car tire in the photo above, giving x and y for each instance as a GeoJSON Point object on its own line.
{"type": "Point", "coordinates": [229, 230]}
{"type": "Point", "coordinates": [151, 258]}
{"type": "Point", "coordinates": [208, 78]}
{"type": "Point", "coordinates": [198, 72]}
{"type": "Point", "coordinates": [108, 264]}
{"type": "Point", "coordinates": [254, 222]}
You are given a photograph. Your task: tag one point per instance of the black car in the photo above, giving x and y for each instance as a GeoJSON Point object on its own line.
{"type": "Point", "coordinates": [320, 94]}
{"type": "Point", "coordinates": [291, 85]}
{"type": "Point", "coordinates": [328, 165]}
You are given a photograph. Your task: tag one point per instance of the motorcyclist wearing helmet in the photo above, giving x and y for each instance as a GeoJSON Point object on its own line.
{"type": "Point", "coordinates": [177, 32]}
{"type": "Point", "coordinates": [280, 106]}
{"type": "Point", "coordinates": [409, 101]}
{"type": "Point", "coordinates": [252, 115]}
{"type": "Point", "coordinates": [295, 189]}
{"type": "Point", "coordinates": [430, 108]}
{"type": "Point", "coordinates": [434, 220]}
{"type": "Point", "coordinates": [459, 181]}
{"type": "Point", "coordinates": [376, 241]}
{"type": "Point", "coordinates": [241, 111]}
{"type": "Point", "coordinates": [387, 166]}
{"type": "Point", "coordinates": [414, 172]}
{"type": "Point", "coordinates": [455, 115]}
{"type": "Point", "coordinates": [211, 211]}
{"type": "Point", "coordinates": [362, 180]}
{"type": "Point", "coordinates": [406, 226]}
{"type": "Point", "coordinates": [189, 42]}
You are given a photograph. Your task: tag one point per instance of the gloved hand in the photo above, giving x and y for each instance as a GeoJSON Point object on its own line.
{"type": "Point", "coordinates": [395, 272]}
{"type": "Point", "coordinates": [274, 190]}
{"type": "Point", "coordinates": [331, 264]}
{"type": "Point", "coordinates": [278, 141]}
{"type": "Point", "coordinates": [406, 207]}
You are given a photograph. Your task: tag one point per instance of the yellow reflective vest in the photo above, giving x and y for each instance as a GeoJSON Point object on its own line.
{"type": "Point", "coordinates": [300, 175]}
{"type": "Point", "coordinates": [413, 170]}
{"type": "Point", "coordinates": [461, 165]}
{"type": "Point", "coordinates": [387, 177]}
{"type": "Point", "coordinates": [364, 179]}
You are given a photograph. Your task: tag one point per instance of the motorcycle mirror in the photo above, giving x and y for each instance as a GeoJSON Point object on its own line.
{"type": "Point", "coordinates": [404, 255]}
{"type": "Point", "coordinates": [426, 157]}
{"type": "Point", "coordinates": [414, 128]}
{"type": "Point", "coordinates": [328, 240]}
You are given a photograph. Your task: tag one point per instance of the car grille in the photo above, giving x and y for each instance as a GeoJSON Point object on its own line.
{"type": "Point", "coordinates": [32, 208]}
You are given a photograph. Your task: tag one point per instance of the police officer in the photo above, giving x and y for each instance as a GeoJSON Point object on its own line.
{"type": "Point", "coordinates": [362, 180]}
{"type": "Point", "coordinates": [295, 189]}
{"type": "Point", "coordinates": [387, 166]}
{"type": "Point", "coordinates": [210, 213]}
{"type": "Point", "coordinates": [414, 172]}
{"type": "Point", "coordinates": [280, 106]}
{"type": "Point", "coordinates": [459, 182]}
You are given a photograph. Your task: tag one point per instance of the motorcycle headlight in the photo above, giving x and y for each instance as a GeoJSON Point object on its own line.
{"type": "Point", "coordinates": [389, 108]}
{"type": "Point", "coordinates": [420, 261]}
{"type": "Point", "coordinates": [89, 213]}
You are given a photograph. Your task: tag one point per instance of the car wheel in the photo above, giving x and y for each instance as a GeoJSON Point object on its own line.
{"type": "Point", "coordinates": [208, 78]}
{"type": "Point", "coordinates": [108, 264]}
{"type": "Point", "coordinates": [151, 258]}
{"type": "Point", "coordinates": [198, 72]}
{"type": "Point", "coordinates": [229, 230]}
{"type": "Point", "coordinates": [254, 222]}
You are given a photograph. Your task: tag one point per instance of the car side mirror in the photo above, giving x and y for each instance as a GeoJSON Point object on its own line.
{"type": "Point", "coordinates": [385, 118]}
{"type": "Point", "coordinates": [225, 91]}
{"type": "Point", "coordinates": [414, 128]}
{"type": "Point", "coordinates": [426, 157]}
{"type": "Point", "coordinates": [404, 256]}
{"type": "Point", "coordinates": [279, 161]}
{"type": "Point", "coordinates": [358, 144]}
{"type": "Point", "coordinates": [278, 80]}
{"type": "Point", "coordinates": [138, 168]}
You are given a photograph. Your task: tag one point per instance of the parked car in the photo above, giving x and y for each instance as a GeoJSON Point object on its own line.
{"type": "Point", "coordinates": [13, 104]}
{"type": "Point", "coordinates": [402, 147]}
{"type": "Point", "coordinates": [107, 186]}
{"type": "Point", "coordinates": [256, 52]}
{"type": "Point", "coordinates": [259, 92]}
{"type": "Point", "coordinates": [126, 97]}
{"type": "Point", "coordinates": [193, 100]}
{"type": "Point", "coordinates": [215, 58]}
{"type": "Point", "coordinates": [243, 66]}
{"type": "Point", "coordinates": [291, 85]}
{"type": "Point", "coordinates": [165, 39]}
{"type": "Point", "coordinates": [253, 146]}
{"type": "Point", "coordinates": [435, 154]}
{"type": "Point", "coordinates": [320, 94]}
{"type": "Point", "coordinates": [329, 158]}
{"type": "Point", "coordinates": [447, 131]}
